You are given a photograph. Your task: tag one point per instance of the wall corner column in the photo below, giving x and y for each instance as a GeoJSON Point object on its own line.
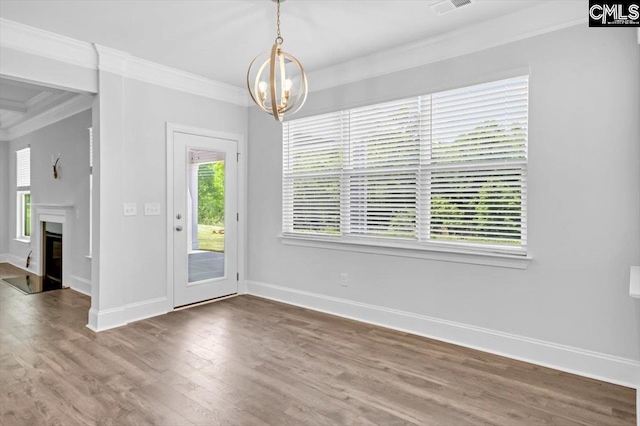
{"type": "Point", "coordinates": [111, 257]}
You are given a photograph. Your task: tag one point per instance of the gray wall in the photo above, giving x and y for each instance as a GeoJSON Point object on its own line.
{"type": "Point", "coordinates": [584, 200]}
{"type": "Point", "coordinates": [130, 152]}
{"type": "Point", "coordinates": [70, 139]}
{"type": "Point", "coordinates": [4, 196]}
{"type": "Point", "coordinates": [147, 110]}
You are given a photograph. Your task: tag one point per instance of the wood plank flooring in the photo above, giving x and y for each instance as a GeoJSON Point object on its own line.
{"type": "Point", "coordinates": [25, 281]}
{"type": "Point", "coordinates": [249, 361]}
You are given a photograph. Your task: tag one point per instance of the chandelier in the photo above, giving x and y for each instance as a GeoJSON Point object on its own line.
{"type": "Point", "coordinates": [276, 80]}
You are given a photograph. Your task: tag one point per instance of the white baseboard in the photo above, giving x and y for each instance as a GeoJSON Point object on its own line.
{"type": "Point", "coordinates": [242, 287]}
{"type": "Point", "coordinates": [147, 309]}
{"type": "Point", "coordinates": [106, 319]}
{"type": "Point", "coordinates": [583, 362]}
{"type": "Point", "coordinates": [19, 262]}
{"type": "Point", "coordinates": [79, 284]}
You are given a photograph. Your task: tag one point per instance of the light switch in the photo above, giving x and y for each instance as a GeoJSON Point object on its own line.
{"type": "Point", "coordinates": [151, 209]}
{"type": "Point", "coordinates": [130, 209]}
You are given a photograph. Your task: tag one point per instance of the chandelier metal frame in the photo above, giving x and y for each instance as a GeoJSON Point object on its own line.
{"type": "Point", "coordinates": [278, 84]}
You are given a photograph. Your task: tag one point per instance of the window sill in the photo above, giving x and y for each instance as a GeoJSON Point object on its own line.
{"type": "Point", "coordinates": [22, 240]}
{"type": "Point", "coordinates": [405, 250]}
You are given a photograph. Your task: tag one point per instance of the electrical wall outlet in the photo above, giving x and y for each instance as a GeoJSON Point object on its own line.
{"type": "Point", "coordinates": [344, 279]}
{"type": "Point", "coordinates": [151, 209]}
{"type": "Point", "coordinates": [130, 209]}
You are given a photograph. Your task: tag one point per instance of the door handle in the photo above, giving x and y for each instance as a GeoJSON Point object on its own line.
{"type": "Point", "coordinates": [178, 228]}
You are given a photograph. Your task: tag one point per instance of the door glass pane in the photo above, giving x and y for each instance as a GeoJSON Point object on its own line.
{"type": "Point", "coordinates": [206, 214]}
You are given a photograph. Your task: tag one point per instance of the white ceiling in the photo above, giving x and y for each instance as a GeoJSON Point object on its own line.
{"type": "Point", "coordinates": [218, 39]}
{"type": "Point", "coordinates": [21, 101]}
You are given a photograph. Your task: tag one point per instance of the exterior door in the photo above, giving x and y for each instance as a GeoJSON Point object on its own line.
{"type": "Point", "coordinates": [205, 218]}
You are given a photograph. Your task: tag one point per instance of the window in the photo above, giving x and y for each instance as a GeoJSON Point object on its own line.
{"type": "Point", "coordinates": [441, 170]}
{"type": "Point", "coordinates": [23, 190]}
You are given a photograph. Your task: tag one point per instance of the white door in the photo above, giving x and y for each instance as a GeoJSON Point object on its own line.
{"type": "Point", "coordinates": [205, 227]}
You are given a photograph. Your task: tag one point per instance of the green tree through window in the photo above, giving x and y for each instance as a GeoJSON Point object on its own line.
{"type": "Point", "coordinates": [211, 194]}
{"type": "Point", "coordinates": [27, 214]}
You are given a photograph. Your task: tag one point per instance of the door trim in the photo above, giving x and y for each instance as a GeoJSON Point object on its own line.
{"type": "Point", "coordinates": [172, 128]}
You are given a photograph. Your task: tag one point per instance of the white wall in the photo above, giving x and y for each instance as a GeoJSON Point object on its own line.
{"type": "Point", "coordinates": [130, 149]}
{"type": "Point", "coordinates": [584, 204]}
{"type": "Point", "coordinates": [4, 196]}
{"type": "Point", "coordinates": [70, 139]}
{"type": "Point", "coordinates": [29, 66]}
{"type": "Point", "coordinates": [145, 168]}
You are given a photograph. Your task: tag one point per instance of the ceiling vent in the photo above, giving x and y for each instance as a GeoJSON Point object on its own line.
{"type": "Point", "coordinates": [445, 6]}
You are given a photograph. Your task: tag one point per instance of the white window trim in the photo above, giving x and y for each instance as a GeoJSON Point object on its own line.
{"type": "Point", "coordinates": [20, 223]}
{"type": "Point", "coordinates": [408, 249]}
{"type": "Point", "coordinates": [499, 255]}
{"type": "Point", "coordinates": [23, 187]}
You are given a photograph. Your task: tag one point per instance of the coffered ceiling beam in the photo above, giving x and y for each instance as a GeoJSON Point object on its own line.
{"type": "Point", "coordinates": [11, 105]}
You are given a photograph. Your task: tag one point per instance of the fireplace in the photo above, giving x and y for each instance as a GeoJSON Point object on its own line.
{"type": "Point", "coordinates": [52, 219]}
{"type": "Point", "coordinates": [52, 255]}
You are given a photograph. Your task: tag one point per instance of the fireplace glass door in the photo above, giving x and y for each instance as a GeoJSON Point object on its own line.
{"type": "Point", "coordinates": [52, 261]}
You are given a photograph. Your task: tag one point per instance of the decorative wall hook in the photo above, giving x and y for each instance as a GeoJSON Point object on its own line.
{"type": "Point", "coordinates": [55, 169]}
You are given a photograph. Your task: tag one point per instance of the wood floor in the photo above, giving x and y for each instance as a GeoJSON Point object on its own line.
{"type": "Point", "coordinates": [249, 361]}
{"type": "Point", "coordinates": [26, 282]}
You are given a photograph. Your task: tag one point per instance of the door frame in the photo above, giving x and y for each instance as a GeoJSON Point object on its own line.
{"type": "Point", "coordinates": [171, 129]}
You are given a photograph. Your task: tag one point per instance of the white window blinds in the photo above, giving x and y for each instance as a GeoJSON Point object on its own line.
{"type": "Point", "coordinates": [312, 166]}
{"type": "Point", "coordinates": [382, 171]}
{"type": "Point", "coordinates": [474, 177]}
{"type": "Point", "coordinates": [441, 169]}
{"type": "Point", "coordinates": [23, 169]}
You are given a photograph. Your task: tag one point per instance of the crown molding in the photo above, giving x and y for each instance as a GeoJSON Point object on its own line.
{"type": "Point", "coordinates": [151, 72]}
{"type": "Point", "coordinates": [43, 104]}
{"type": "Point", "coordinates": [542, 19]}
{"type": "Point", "coordinates": [111, 60]}
{"type": "Point", "coordinates": [35, 41]}
{"type": "Point", "coordinates": [129, 66]}
{"type": "Point", "coordinates": [66, 109]}
{"type": "Point", "coordinates": [47, 44]}
{"type": "Point", "coordinates": [546, 18]}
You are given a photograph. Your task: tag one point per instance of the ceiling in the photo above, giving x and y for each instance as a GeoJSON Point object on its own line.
{"type": "Point", "coordinates": [218, 39]}
{"type": "Point", "coordinates": [20, 102]}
